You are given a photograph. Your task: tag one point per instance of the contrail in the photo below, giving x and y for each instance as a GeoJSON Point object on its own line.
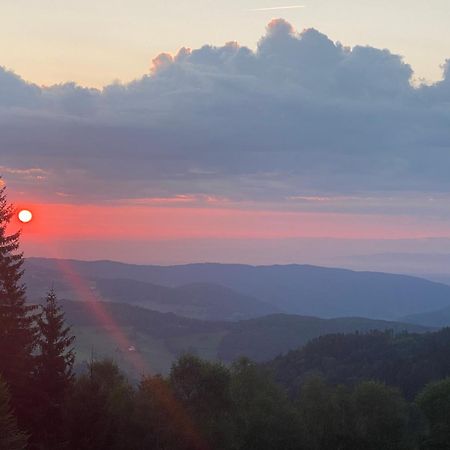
{"type": "Point", "coordinates": [275, 8]}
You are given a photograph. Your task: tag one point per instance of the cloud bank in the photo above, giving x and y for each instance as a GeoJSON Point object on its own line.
{"type": "Point", "coordinates": [300, 118]}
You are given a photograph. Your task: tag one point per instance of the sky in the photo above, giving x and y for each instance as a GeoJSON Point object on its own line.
{"type": "Point", "coordinates": [237, 131]}
{"type": "Point", "coordinates": [96, 42]}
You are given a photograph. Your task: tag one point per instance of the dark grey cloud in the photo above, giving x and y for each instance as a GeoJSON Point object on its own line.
{"type": "Point", "coordinates": [15, 92]}
{"type": "Point", "coordinates": [301, 115]}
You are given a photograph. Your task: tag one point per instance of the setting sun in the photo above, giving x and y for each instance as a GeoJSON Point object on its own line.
{"type": "Point", "coordinates": [25, 215]}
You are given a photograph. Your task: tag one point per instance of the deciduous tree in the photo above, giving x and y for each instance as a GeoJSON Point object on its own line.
{"type": "Point", "coordinates": [434, 401]}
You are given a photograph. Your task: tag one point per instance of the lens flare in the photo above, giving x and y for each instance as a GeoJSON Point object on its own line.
{"type": "Point", "coordinates": [25, 215]}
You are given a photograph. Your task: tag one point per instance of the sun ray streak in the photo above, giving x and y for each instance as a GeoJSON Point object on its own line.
{"type": "Point", "coordinates": [178, 413]}
{"type": "Point", "coordinates": [94, 304]}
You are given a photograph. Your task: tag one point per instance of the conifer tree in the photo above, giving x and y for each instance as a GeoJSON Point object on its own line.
{"type": "Point", "coordinates": [54, 374]}
{"type": "Point", "coordinates": [17, 318]}
{"type": "Point", "coordinates": [10, 436]}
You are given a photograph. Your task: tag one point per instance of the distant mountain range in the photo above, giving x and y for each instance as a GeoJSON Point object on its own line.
{"type": "Point", "coordinates": [115, 330]}
{"type": "Point", "coordinates": [439, 318]}
{"type": "Point", "coordinates": [234, 292]}
{"type": "Point", "coordinates": [434, 266]}
{"type": "Point", "coordinates": [205, 301]}
{"type": "Point", "coordinates": [198, 300]}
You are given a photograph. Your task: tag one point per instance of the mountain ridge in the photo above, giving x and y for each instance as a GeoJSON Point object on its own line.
{"type": "Point", "coordinates": [293, 289]}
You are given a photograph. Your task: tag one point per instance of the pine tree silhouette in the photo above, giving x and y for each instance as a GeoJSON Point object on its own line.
{"type": "Point", "coordinates": [18, 331]}
{"type": "Point", "coordinates": [55, 361]}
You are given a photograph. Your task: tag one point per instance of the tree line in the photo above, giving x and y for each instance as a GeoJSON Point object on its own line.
{"type": "Point", "coordinates": [200, 405]}
{"type": "Point", "coordinates": [204, 405]}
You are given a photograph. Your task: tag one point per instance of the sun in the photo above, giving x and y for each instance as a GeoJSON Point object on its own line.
{"type": "Point", "coordinates": [25, 215]}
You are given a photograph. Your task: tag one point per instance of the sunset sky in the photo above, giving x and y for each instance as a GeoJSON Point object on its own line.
{"type": "Point", "coordinates": [143, 131]}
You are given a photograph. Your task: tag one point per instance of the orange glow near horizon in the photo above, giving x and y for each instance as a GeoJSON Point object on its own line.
{"type": "Point", "coordinates": [56, 221]}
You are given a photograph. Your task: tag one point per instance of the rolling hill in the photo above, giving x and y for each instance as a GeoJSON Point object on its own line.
{"type": "Point", "coordinates": [269, 336]}
{"type": "Point", "coordinates": [439, 318]}
{"type": "Point", "coordinates": [292, 289]}
{"type": "Point", "coordinates": [197, 300]}
{"type": "Point", "coordinates": [204, 301]}
{"type": "Point", "coordinates": [108, 329]}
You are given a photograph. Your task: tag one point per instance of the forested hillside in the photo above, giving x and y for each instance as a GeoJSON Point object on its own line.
{"type": "Point", "coordinates": [270, 336]}
{"type": "Point", "coordinates": [162, 337]}
{"type": "Point", "coordinates": [408, 361]}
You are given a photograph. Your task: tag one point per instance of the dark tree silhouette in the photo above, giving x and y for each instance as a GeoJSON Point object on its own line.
{"type": "Point", "coordinates": [55, 360]}
{"type": "Point", "coordinates": [17, 319]}
{"type": "Point", "coordinates": [10, 436]}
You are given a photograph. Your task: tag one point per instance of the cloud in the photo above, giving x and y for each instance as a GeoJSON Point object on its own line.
{"type": "Point", "coordinates": [300, 116]}
{"type": "Point", "coordinates": [15, 92]}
